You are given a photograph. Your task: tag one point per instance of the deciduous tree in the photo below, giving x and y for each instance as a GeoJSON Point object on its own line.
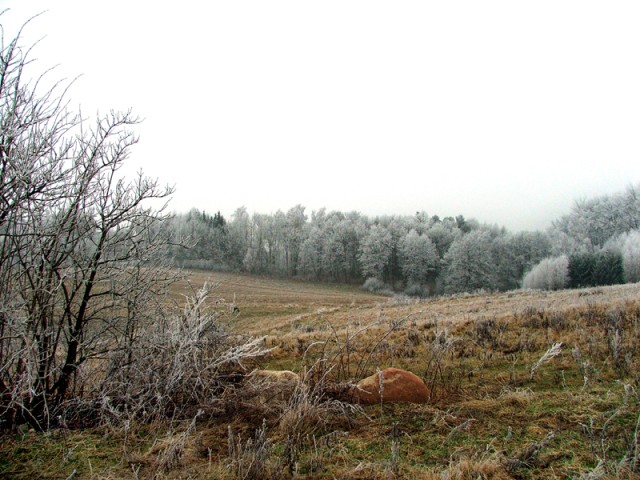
{"type": "Point", "coordinates": [78, 243]}
{"type": "Point", "coordinates": [419, 258]}
{"type": "Point", "coordinates": [375, 252]}
{"type": "Point", "coordinates": [470, 264]}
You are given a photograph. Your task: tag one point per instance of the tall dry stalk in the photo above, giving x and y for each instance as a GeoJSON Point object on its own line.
{"type": "Point", "coordinates": [249, 460]}
{"type": "Point", "coordinates": [550, 354]}
{"type": "Point", "coordinates": [175, 367]}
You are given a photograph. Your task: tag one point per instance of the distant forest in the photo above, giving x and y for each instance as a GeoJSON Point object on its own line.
{"type": "Point", "coordinates": [597, 243]}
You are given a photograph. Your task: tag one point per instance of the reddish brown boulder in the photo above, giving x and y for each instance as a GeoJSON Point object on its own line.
{"type": "Point", "coordinates": [397, 386]}
{"type": "Point", "coordinates": [274, 384]}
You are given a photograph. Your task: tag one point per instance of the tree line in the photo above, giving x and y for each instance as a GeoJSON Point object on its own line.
{"type": "Point", "coordinates": [596, 243]}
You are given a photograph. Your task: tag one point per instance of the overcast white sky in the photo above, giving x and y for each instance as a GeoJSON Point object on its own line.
{"type": "Point", "coordinates": [504, 111]}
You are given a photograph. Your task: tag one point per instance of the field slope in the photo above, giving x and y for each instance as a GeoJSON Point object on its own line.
{"type": "Point", "coordinates": [523, 385]}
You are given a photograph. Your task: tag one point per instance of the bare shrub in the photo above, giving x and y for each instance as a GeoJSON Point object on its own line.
{"type": "Point", "coordinates": [394, 464]}
{"type": "Point", "coordinates": [585, 367]}
{"type": "Point", "coordinates": [488, 332]}
{"type": "Point", "coordinates": [437, 351]}
{"type": "Point", "coordinates": [350, 354]}
{"type": "Point", "coordinates": [175, 367]}
{"type": "Point", "coordinates": [533, 317]}
{"type": "Point", "coordinates": [80, 246]}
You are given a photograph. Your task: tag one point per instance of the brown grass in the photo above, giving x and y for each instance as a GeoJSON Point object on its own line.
{"type": "Point", "coordinates": [489, 418]}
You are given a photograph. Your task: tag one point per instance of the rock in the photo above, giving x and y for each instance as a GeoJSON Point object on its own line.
{"type": "Point", "coordinates": [398, 386]}
{"type": "Point", "coordinates": [275, 384]}
{"type": "Point", "coordinates": [276, 376]}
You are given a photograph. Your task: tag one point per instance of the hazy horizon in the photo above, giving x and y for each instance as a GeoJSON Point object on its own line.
{"type": "Point", "coordinates": [499, 111]}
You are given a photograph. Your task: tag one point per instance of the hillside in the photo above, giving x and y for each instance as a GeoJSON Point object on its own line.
{"type": "Point", "coordinates": [266, 302]}
{"type": "Point", "coordinates": [504, 404]}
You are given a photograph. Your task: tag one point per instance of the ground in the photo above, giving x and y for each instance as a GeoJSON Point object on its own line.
{"type": "Point", "coordinates": [504, 403]}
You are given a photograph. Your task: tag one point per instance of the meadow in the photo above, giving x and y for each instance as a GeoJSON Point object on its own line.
{"type": "Point", "coordinates": [524, 385]}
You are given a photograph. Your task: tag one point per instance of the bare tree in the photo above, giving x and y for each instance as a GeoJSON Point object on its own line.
{"type": "Point", "coordinates": [78, 243]}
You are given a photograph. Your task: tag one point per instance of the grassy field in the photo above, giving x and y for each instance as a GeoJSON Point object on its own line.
{"type": "Point", "coordinates": [267, 304]}
{"type": "Point", "coordinates": [505, 404]}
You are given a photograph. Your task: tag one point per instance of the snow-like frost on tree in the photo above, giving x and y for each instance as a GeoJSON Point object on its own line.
{"type": "Point", "coordinates": [375, 252]}
{"type": "Point", "coordinates": [549, 274]}
{"type": "Point", "coordinates": [418, 257]}
{"type": "Point", "coordinates": [470, 265]}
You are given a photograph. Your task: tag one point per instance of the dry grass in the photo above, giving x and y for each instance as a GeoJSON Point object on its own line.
{"type": "Point", "coordinates": [500, 408]}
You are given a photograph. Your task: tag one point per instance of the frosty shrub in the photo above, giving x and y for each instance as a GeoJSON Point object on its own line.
{"type": "Point", "coordinates": [177, 366]}
{"type": "Point", "coordinates": [631, 256]}
{"type": "Point", "coordinates": [416, 290]}
{"type": "Point", "coordinates": [375, 285]}
{"type": "Point", "coordinates": [549, 274]}
{"type": "Point", "coordinates": [628, 246]}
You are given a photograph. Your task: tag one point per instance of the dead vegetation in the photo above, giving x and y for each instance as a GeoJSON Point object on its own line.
{"type": "Point", "coordinates": [523, 386]}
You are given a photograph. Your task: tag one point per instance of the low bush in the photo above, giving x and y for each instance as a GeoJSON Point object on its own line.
{"type": "Point", "coordinates": [375, 285]}
{"type": "Point", "coordinates": [416, 290]}
{"type": "Point", "coordinates": [549, 274]}
{"type": "Point", "coordinates": [175, 368]}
